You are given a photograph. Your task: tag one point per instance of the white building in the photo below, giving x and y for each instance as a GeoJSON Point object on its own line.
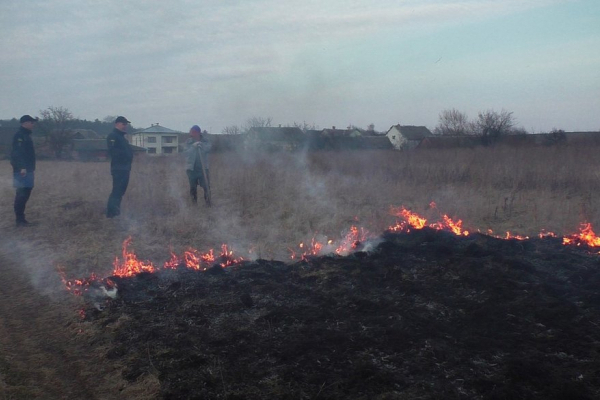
{"type": "Point", "coordinates": [407, 137]}
{"type": "Point", "coordinates": [157, 140]}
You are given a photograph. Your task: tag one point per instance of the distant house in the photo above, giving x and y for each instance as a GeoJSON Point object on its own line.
{"type": "Point", "coordinates": [90, 150]}
{"type": "Point", "coordinates": [95, 149]}
{"type": "Point", "coordinates": [78, 134]}
{"type": "Point", "coordinates": [314, 139]}
{"type": "Point", "coordinates": [273, 139]}
{"type": "Point", "coordinates": [334, 133]}
{"type": "Point", "coordinates": [225, 142]}
{"type": "Point", "coordinates": [407, 137]}
{"type": "Point", "coordinates": [370, 132]}
{"type": "Point", "coordinates": [157, 140]}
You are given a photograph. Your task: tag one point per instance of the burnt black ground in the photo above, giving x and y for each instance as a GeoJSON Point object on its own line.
{"type": "Point", "coordinates": [426, 315]}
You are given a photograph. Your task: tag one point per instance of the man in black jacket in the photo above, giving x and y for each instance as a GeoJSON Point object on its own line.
{"type": "Point", "coordinates": [121, 156]}
{"type": "Point", "coordinates": [22, 159]}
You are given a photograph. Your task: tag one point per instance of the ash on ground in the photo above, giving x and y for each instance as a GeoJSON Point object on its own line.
{"type": "Point", "coordinates": [425, 315]}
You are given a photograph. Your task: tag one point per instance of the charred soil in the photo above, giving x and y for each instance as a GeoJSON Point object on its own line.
{"type": "Point", "coordinates": [426, 315]}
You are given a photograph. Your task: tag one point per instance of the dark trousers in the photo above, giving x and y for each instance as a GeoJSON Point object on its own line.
{"type": "Point", "coordinates": [120, 181]}
{"type": "Point", "coordinates": [196, 178]}
{"type": "Point", "coordinates": [21, 198]}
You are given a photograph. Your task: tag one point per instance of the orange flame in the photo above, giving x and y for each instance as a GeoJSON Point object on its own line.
{"type": "Point", "coordinates": [413, 220]}
{"type": "Point", "coordinates": [543, 234]}
{"type": "Point", "coordinates": [352, 240]}
{"type": "Point", "coordinates": [448, 224]}
{"type": "Point", "coordinates": [173, 262]}
{"type": "Point", "coordinates": [227, 257]}
{"type": "Point", "coordinates": [195, 260]}
{"type": "Point", "coordinates": [585, 236]}
{"type": "Point", "coordinates": [130, 265]}
{"type": "Point", "coordinates": [313, 249]}
{"type": "Point", "coordinates": [515, 237]}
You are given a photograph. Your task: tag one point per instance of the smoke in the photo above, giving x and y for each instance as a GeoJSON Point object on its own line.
{"type": "Point", "coordinates": [315, 207]}
{"type": "Point", "coordinates": [24, 260]}
{"type": "Point", "coordinates": [263, 205]}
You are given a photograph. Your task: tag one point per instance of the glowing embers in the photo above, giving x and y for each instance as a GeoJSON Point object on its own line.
{"type": "Point", "coordinates": [77, 286]}
{"type": "Point", "coordinates": [195, 260]}
{"type": "Point", "coordinates": [351, 241]}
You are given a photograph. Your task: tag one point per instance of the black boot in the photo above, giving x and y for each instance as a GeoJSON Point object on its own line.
{"type": "Point", "coordinates": [21, 221]}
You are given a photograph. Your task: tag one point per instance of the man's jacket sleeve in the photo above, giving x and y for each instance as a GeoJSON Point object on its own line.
{"type": "Point", "coordinates": [17, 156]}
{"type": "Point", "coordinates": [115, 149]}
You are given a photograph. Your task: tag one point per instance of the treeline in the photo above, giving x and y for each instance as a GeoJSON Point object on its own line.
{"type": "Point", "coordinates": [59, 120]}
{"type": "Point", "coordinates": [103, 127]}
{"type": "Point", "coordinates": [57, 124]}
{"type": "Point", "coordinates": [488, 123]}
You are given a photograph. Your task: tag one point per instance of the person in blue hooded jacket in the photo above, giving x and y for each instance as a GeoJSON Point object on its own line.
{"type": "Point", "coordinates": [196, 164]}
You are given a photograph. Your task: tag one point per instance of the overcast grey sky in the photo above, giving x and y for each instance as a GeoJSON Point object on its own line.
{"type": "Point", "coordinates": [218, 63]}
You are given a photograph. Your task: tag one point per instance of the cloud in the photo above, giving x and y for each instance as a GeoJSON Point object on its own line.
{"type": "Point", "coordinates": [147, 30]}
{"type": "Point", "coordinates": [151, 57]}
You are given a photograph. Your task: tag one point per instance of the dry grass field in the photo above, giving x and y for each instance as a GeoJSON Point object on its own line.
{"type": "Point", "coordinates": [263, 206]}
{"type": "Point", "coordinates": [268, 203]}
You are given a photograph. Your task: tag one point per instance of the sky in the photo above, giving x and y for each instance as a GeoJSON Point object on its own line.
{"type": "Point", "coordinates": [218, 63]}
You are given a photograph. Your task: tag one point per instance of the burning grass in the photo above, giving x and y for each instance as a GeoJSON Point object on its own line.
{"type": "Point", "coordinates": [297, 208]}
{"type": "Point", "coordinates": [356, 239]}
{"type": "Point", "coordinates": [270, 203]}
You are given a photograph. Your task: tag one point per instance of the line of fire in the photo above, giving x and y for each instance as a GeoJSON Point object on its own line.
{"type": "Point", "coordinates": [356, 239]}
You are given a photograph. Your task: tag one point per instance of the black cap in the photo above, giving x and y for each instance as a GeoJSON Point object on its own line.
{"type": "Point", "coordinates": [122, 119]}
{"type": "Point", "coordinates": [27, 118]}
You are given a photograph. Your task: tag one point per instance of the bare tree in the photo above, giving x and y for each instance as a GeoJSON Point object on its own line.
{"type": "Point", "coordinates": [491, 124]}
{"type": "Point", "coordinates": [305, 126]}
{"type": "Point", "coordinates": [257, 122]}
{"type": "Point", "coordinates": [232, 130]}
{"type": "Point", "coordinates": [556, 137]}
{"type": "Point", "coordinates": [453, 123]}
{"type": "Point", "coordinates": [55, 125]}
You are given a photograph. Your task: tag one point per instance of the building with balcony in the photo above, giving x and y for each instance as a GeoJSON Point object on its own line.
{"type": "Point", "coordinates": [157, 139]}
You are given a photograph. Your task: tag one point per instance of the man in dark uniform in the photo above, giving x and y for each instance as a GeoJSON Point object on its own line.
{"type": "Point", "coordinates": [22, 159]}
{"type": "Point", "coordinates": [121, 156]}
